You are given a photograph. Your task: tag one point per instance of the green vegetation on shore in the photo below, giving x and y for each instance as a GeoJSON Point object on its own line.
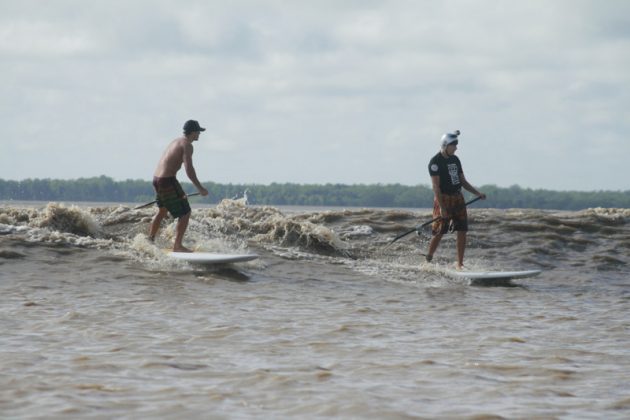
{"type": "Point", "coordinates": [105, 189]}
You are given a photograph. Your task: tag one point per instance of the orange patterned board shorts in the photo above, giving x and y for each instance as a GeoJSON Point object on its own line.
{"type": "Point", "coordinates": [456, 207]}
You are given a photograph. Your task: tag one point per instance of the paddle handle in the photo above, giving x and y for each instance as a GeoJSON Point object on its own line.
{"type": "Point", "coordinates": [417, 228]}
{"type": "Point", "coordinates": [155, 201]}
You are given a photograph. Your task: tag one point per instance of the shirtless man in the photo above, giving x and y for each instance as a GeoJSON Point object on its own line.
{"type": "Point", "coordinates": [169, 194]}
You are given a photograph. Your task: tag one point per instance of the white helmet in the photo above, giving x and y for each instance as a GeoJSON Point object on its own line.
{"type": "Point", "coordinates": [449, 138]}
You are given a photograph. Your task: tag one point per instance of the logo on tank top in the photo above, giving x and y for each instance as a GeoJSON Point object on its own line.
{"type": "Point", "coordinates": [452, 171]}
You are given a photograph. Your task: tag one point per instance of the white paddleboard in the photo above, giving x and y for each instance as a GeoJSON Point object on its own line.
{"type": "Point", "coordinates": [492, 278]}
{"type": "Point", "coordinates": [211, 257]}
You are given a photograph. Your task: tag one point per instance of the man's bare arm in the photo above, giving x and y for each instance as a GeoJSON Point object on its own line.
{"type": "Point", "coordinates": [190, 169]}
{"type": "Point", "coordinates": [435, 180]}
{"type": "Point", "coordinates": [470, 188]}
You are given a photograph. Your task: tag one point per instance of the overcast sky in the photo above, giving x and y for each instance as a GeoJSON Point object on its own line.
{"type": "Point", "coordinates": [319, 91]}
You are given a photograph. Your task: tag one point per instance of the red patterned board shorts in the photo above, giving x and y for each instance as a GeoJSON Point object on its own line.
{"type": "Point", "coordinates": [456, 207]}
{"type": "Point", "coordinates": [169, 194]}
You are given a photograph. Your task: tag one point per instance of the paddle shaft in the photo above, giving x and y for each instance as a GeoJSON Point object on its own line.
{"type": "Point", "coordinates": [402, 235]}
{"type": "Point", "coordinates": [155, 201]}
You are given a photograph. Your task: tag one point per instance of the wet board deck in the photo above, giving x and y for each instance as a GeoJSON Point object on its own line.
{"type": "Point", "coordinates": [209, 258]}
{"type": "Point", "coordinates": [493, 278]}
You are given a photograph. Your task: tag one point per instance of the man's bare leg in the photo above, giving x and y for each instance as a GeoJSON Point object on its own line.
{"type": "Point", "coordinates": [157, 221]}
{"type": "Point", "coordinates": [461, 248]}
{"type": "Point", "coordinates": [182, 225]}
{"type": "Point", "coordinates": [435, 241]}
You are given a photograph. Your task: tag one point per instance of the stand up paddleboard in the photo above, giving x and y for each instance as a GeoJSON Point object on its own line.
{"type": "Point", "coordinates": [209, 258]}
{"type": "Point", "coordinates": [492, 278]}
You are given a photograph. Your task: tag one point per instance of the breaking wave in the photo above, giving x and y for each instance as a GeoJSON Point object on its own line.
{"type": "Point", "coordinates": [593, 239]}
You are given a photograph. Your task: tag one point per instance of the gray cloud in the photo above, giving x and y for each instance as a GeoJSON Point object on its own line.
{"type": "Point", "coordinates": [317, 91]}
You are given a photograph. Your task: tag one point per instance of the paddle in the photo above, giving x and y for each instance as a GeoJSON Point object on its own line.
{"type": "Point", "coordinates": [155, 201]}
{"type": "Point", "coordinates": [417, 228]}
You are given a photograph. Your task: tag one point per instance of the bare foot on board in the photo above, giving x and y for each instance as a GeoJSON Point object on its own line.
{"type": "Point", "coordinates": [181, 249]}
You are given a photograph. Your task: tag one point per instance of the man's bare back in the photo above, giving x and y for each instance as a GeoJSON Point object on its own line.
{"type": "Point", "coordinates": [172, 158]}
{"type": "Point", "coordinates": [179, 152]}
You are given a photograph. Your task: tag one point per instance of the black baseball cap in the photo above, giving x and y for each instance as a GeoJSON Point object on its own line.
{"type": "Point", "coordinates": [192, 126]}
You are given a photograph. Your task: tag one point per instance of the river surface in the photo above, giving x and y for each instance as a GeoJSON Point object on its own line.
{"type": "Point", "coordinates": [330, 322]}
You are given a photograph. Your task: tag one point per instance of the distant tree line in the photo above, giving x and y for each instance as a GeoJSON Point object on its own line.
{"type": "Point", "coordinates": [105, 189]}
